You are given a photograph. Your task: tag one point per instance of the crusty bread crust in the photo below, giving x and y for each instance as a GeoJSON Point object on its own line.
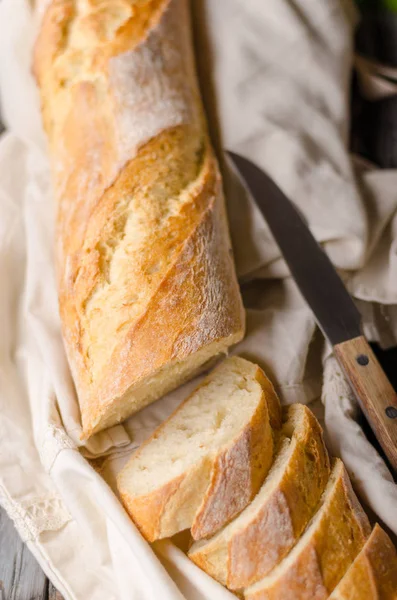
{"type": "Point", "coordinates": [170, 508]}
{"type": "Point", "coordinates": [232, 486]}
{"type": "Point", "coordinates": [325, 551]}
{"type": "Point", "coordinates": [146, 280]}
{"type": "Point", "coordinates": [273, 402]}
{"type": "Point", "coordinates": [214, 489]}
{"type": "Point", "coordinates": [240, 556]}
{"type": "Point", "coordinates": [373, 575]}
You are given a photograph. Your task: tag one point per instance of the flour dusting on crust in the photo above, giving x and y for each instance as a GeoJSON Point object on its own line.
{"type": "Point", "coordinates": [151, 85]}
{"type": "Point", "coordinates": [139, 203]}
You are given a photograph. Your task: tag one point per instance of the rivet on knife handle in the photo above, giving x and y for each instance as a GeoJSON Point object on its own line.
{"type": "Point", "coordinates": [373, 390]}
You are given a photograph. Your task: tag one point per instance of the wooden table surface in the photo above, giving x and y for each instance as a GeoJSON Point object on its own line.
{"type": "Point", "coordinates": [21, 578]}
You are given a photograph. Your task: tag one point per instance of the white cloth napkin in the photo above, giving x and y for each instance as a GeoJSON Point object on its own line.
{"type": "Point", "coordinates": [281, 70]}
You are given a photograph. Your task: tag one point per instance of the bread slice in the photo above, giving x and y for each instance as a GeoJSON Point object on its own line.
{"type": "Point", "coordinates": [373, 575]}
{"type": "Point", "coordinates": [330, 543]}
{"type": "Point", "coordinates": [206, 462]}
{"type": "Point", "coordinates": [251, 545]}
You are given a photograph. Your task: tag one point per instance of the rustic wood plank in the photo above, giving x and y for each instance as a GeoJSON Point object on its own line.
{"type": "Point", "coordinates": [53, 593]}
{"type": "Point", "coordinates": [21, 577]}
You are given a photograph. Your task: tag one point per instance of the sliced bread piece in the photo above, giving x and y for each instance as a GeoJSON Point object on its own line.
{"type": "Point", "coordinates": [373, 575]}
{"type": "Point", "coordinates": [204, 464]}
{"type": "Point", "coordinates": [330, 543]}
{"type": "Point", "coordinates": [251, 545]}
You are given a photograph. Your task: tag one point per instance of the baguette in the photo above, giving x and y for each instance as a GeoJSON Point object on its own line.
{"type": "Point", "coordinates": [251, 545]}
{"type": "Point", "coordinates": [206, 462]}
{"type": "Point", "coordinates": [147, 288]}
{"type": "Point", "coordinates": [325, 551]}
{"type": "Point", "coordinates": [373, 575]}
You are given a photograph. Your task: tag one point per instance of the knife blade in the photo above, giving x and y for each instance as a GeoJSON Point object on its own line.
{"type": "Point", "coordinates": [332, 305]}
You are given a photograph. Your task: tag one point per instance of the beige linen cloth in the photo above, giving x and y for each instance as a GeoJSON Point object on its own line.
{"type": "Point", "coordinates": [281, 70]}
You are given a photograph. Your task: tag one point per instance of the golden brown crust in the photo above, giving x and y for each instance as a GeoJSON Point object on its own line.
{"type": "Point", "coordinates": [373, 575]}
{"type": "Point", "coordinates": [232, 485]}
{"type": "Point", "coordinates": [235, 477]}
{"type": "Point", "coordinates": [273, 403]}
{"type": "Point", "coordinates": [145, 276]}
{"type": "Point", "coordinates": [242, 554]}
{"type": "Point", "coordinates": [170, 508]}
{"type": "Point", "coordinates": [276, 529]}
{"type": "Point", "coordinates": [146, 511]}
{"type": "Point", "coordinates": [322, 556]}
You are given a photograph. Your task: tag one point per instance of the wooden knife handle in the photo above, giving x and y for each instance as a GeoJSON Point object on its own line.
{"type": "Point", "coordinates": [374, 392]}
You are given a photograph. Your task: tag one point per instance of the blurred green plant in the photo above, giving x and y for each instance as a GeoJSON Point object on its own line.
{"type": "Point", "coordinates": [378, 4]}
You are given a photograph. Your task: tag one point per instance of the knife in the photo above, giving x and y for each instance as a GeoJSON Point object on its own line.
{"type": "Point", "coordinates": [332, 305]}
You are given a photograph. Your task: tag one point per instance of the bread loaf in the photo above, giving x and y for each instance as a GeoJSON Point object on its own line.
{"type": "Point", "coordinates": [206, 462]}
{"type": "Point", "coordinates": [326, 549]}
{"type": "Point", "coordinates": [253, 543]}
{"type": "Point", "coordinates": [147, 288]}
{"type": "Point", "coordinates": [373, 575]}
